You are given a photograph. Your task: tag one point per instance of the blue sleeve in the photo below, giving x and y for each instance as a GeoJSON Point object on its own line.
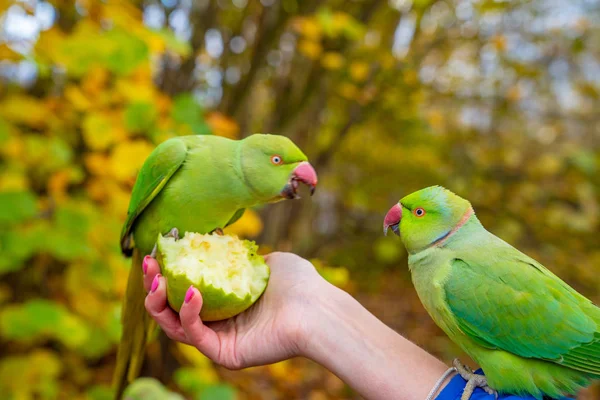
{"type": "Point", "coordinates": [455, 387]}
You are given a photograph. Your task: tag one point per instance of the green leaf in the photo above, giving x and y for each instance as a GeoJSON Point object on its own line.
{"type": "Point", "coordinates": [99, 392]}
{"type": "Point", "coordinates": [117, 50]}
{"type": "Point", "coordinates": [190, 380]}
{"type": "Point", "coordinates": [68, 241]}
{"type": "Point", "coordinates": [188, 112]}
{"type": "Point", "coordinates": [20, 243]}
{"type": "Point", "coordinates": [4, 131]}
{"type": "Point", "coordinates": [17, 207]}
{"type": "Point", "coordinates": [140, 116]}
{"type": "Point", "coordinates": [39, 319]}
{"type": "Point", "coordinates": [98, 344]}
{"type": "Point", "coordinates": [127, 54]}
{"type": "Point", "coordinates": [149, 389]}
{"type": "Point", "coordinates": [31, 376]}
{"type": "Point", "coordinates": [217, 392]}
{"type": "Point", "coordinates": [387, 250]}
{"type": "Point", "coordinates": [173, 43]}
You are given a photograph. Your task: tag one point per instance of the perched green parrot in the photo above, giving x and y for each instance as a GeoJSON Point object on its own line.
{"type": "Point", "coordinates": [198, 184]}
{"type": "Point", "coordinates": [531, 333]}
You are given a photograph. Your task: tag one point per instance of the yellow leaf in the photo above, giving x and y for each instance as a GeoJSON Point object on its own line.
{"type": "Point", "coordinates": [96, 163]}
{"type": "Point", "coordinates": [111, 194]}
{"type": "Point", "coordinates": [48, 44]}
{"type": "Point", "coordinates": [499, 42]}
{"type": "Point", "coordinates": [143, 74]}
{"type": "Point", "coordinates": [136, 90]}
{"type": "Point", "coordinates": [122, 13]}
{"type": "Point", "coordinates": [102, 129]}
{"type": "Point", "coordinates": [156, 44]}
{"type": "Point", "coordinates": [13, 148]}
{"type": "Point", "coordinates": [249, 225]}
{"type": "Point", "coordinates": [308, 27]}
{"type": "Point", "coordinates": [281, 370]}
{"type": "Point", "coordinates": [222, 125]}
{"type": "Point", "coordinates": [84, 301]}
{"type": "Point", "coordinates": [332, 60]}
{"type": "Point", "coordinates": [119, 266]}
{"type": "Point", "coordinates": [411, 77]}
{"type": "Point", "coordinates": [436, 119]}
{"type": "Point", "coordinates": [285, 370]}
{"type": "Point", "coordinates": [513, 93]}
{"type": "Point", "coordinates": [359, 71]}
{"type": "Point", "coordinates": [58, 184]}
{"type": "Point", "coordinates": [8, 54]}
{"type": "Point", "coordinates": [318, 395]}
{"type": "Point", "coordinates": [127, 158]}
{"type": "Point", "coordinates": [163, 103]}
{"type": "Point", "coordinates": [5, 4]}
{"type": "Point", "coordinates": [310, 49]}
{"type": "Point", "coordinates": [198, 360]}
{"type": "Point", "coordinates": [348, 90]}
{"type": "Point", "coordinates": [13, 180]}
{"type": "Point", "coordinates": [76, 97]}
{"type": "Point", "coordinates": [339, 21]}
{"type": "Point", "coordinates": [95, 80]}
{"type": "Point", "coordinates": [25, 110]}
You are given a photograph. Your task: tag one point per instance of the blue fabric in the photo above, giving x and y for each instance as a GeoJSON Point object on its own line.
{"type": "Point", "coordinates": [455, 387]}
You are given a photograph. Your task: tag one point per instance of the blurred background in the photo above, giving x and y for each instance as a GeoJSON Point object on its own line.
{"type": "Point", "coordinates": [496, 100]}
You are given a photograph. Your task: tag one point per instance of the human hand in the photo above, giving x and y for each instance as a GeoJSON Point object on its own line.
{"type": "Point", "coordinates": [273, 329]}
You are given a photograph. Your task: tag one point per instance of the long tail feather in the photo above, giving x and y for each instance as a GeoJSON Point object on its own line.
{"type": "Point", "coordinates": [136, 324]}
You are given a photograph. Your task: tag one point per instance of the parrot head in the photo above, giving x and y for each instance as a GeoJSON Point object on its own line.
{"type": "Point", "coordinates": [273, 167]}
{"type": "Point", "coordinates": [426, 217]}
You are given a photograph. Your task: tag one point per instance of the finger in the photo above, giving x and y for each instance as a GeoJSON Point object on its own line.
{"type": "Point", "coordinates": [156, 305]}
{"type": "Point", "coordinates": [199, 335]}
{"type": "Point", "coordinates": [151, 268]}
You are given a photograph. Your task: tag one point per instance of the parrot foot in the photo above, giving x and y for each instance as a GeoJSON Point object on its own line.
{"type": "Point", "coordinates": [219, 231]}
{"type": "Point", "coordinates": [473, 381]}
{"type": "Point", "coordinates": [174, 233]}
{"type": "Point", "coordinates": [154, 250]}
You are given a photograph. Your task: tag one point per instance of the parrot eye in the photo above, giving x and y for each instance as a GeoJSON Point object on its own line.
{"type": "Point", "coordinates": [419, 212]}
{"type": "Point", "coordinates": [277, 160]}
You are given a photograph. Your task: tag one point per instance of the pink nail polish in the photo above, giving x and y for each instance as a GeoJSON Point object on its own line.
{"type": "Point", "coordinates": [155, 283]}
{"type": "Point", "coordinates": [189, 294]}
{"type": "Point", "coordinates": [145, 264]}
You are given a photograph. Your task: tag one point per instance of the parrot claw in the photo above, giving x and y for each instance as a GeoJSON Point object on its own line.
{"type": "Point", "coordinates": [473, 381]}
{"type": "Point", "coordinates": [174, 233]}
{"type": "Point", "coordinates": [154, 250]}
{"type": "Point", "coordinates": [219, 231]}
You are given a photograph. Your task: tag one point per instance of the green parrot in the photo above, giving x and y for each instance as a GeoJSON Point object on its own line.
{"type": "Point", "coordinates": [198, 184]}
{"type": "Point", "coordinates": [531, 333]}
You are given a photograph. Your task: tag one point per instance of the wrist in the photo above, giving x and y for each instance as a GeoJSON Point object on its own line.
{"type": "Point", "coordinates": [317, 317]}
{"type": "Point", "coordinates": [376, 361]}
{"type": "Point", "coordinates": [331, 316]}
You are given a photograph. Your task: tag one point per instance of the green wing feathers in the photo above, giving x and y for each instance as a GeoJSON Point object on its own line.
{"type": "Point", "coordinates": [520, 307]}
{"type": "Point", "coordinates": [158, 168]}
{"type": "Point", "coordinates": [238, 214]}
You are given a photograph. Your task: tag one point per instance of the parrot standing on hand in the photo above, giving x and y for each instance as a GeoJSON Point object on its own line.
{"type": "Point", "coordinates": [197, 184]}
{"type": "Point", "coordinates": [531, 333]}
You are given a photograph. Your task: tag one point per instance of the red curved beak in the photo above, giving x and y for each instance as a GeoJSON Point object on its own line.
{"type": "Point", "coordinates": [304, 173]}
{"type": "Point", "coordinates": [392, 220]}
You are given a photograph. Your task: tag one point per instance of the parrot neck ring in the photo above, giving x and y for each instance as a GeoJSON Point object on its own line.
{"type": "Point", "coordinates": [462, 221]}
{"type": "Point", "coordinates": [304, 173]}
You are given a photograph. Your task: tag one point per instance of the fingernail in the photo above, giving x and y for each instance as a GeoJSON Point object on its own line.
{"type": "Point", "coordinates": [189, 294]}
{"type": "Point", "coordinates": [155, 283]}
{"type": "Point", "coordinates": [145, 264]}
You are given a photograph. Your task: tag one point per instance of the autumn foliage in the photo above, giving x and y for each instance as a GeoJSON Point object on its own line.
{"type": "Point", "coordinates": [495, 100]}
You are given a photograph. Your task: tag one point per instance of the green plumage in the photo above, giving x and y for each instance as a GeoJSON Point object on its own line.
{"type": "Point", "coordinates": [529, 331]}
{"type": "Point", "coordinates": [197, 184]}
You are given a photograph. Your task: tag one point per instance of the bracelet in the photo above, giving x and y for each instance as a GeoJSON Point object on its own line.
{"type": "Point", "coordinates": [439, 383]}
